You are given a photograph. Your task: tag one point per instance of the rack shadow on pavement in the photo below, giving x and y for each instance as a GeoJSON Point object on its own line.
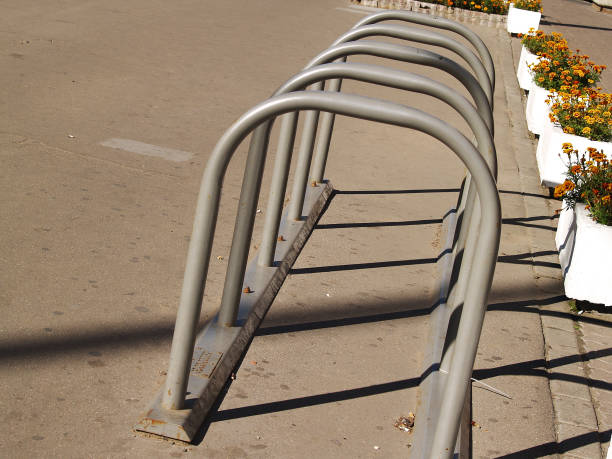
{"type": "Point", "coordinates": [579, 26]}
{"type": "Point", "coordinates": [564, 446]}
{"type": "Point", "coordinates": [529, 368]}
{"type": "Point", "coordinates": [133, 335]}
{"type": "Point", "coordinates": [408, 191]}
{"type": "Point", "coordinates": [525, 194]}
{"type": "Point", "coordinates": [532, 306]}
{"type": "Point", "coordinates": [318, 399]}
{"type": "Point", "coordinates": [527, 258]}
{"type": "Point", "coordinates": [524, 221]}
{"type": "Point", "coordinates": [538, 368]}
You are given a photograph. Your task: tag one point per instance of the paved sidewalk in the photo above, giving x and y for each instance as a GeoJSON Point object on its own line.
{"type": "Point", "coordinates": [94, 240]}
{"type": "Point", "coordinates": [578, 345]}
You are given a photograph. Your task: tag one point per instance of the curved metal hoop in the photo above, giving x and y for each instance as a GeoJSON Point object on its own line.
{"type": "Point", "coordinates": [367, 73]}
{"type": "Point", "coordinates": [364, 108]}
{"type": "Point", "coordinates": [440, 23]}
{"type": "Point", "coordinates": [387, 50]}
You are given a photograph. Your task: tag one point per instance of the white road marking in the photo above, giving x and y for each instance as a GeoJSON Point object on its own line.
{"type": "Point", "coordinates": [146, 149]}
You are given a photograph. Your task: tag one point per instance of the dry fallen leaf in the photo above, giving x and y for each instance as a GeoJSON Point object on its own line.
{"type": "Point", "coordinates": [405, 423]}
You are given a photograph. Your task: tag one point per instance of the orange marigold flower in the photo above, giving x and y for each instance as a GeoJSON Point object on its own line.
{"type": "Point", "coordinates": [559, 191]}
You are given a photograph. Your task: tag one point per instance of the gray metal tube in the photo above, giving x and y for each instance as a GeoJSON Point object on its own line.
{"type": "Point", "coordinates": [309, 132]}
{"type": "Point", "coordinates": [378, 75]}
{"type": "Point", "coordinates": [327, 119]}
{"type": "Point", "coordinates": [277, 188]}
{"type": "Point", "coordinates": [456, 297]}
{"type": "Point", "coordinates": [406, 33]}
{"type": "Point", "coordinates": [423, 36]}
{"type": "Point", "coordinates": [413, 55]}
{"type": "Point", "coordinates": [386, 50]}
{"type": "Point", "coordinates": [439, 23]}
{"type": "Point", "coordinates": [408, 82]}
{"type": "Point", "coordinates": [243, 229]}
{"type": "Point", "coordinates": [324, 140]}
{"type": "Point", "coordinates": [373, 110]}
{"type": "Point", "coordinates": [397, 52]}
{"type": "Point", "coordinates": [409, 54]}
{"type": "Point", "coordinates": [459, 373]}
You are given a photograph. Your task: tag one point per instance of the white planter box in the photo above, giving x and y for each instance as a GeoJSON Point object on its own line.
{"type": "Point", "coordinates": [523, 73]}
{"type": "Point", "coordinates": [552, 162]}
{"type": "Point", "coordinates": [520, 21]}
{"type": "Point", "coordinates": [537, 109]}
{"type": "Point", "coordinates": [584, 253]}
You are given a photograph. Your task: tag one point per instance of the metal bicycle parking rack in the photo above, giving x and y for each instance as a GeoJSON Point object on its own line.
{"type": "Point", "coordinates": [201, 366]}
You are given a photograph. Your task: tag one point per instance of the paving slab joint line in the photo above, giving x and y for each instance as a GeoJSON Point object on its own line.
{"type": "Point", "coordinates": [588, 372]}
{"type": "Point", "coordinates": [561, 395]}
{"type": "Point", "coordinates": [583, 426]}
{"type": "Point", "coordinates": [550, 327]}
{"type": "Point", "coordinates": [515, 102]}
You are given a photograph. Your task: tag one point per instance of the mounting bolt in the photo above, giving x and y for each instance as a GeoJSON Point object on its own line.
{"type": "Point", "coordinates": [247, 290]}
{"type": "Point", "coordinates": [281, 238]}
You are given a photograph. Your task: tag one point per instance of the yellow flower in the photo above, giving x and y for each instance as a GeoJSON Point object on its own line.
{"type": "Point", "coordinates": [586, 131]}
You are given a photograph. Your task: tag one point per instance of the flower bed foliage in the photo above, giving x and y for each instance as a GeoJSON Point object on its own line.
{"type": "Point", "coordinates": [529, 5]}
{"type": "Point", "coordinates": [538, 43]}
{"type": "Point", "coordinates": [588, 181]}
{"type": "Point", "coordinates": [585, 113]}
{"type": "Point", "coordinates": [486, 6]}
{"type": "Point", "coordinates": [562, 70]}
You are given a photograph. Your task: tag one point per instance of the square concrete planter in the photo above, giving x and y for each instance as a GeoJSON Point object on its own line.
{"type": "Point", "coordinates": [523, 72]}
{"type": "Point", "coordinates": [584, 253]}
{"type": "Point", "coordinates": [520, 21]}
{"type": "Point", "coordinates": [552, 162]}
{"type": "Point", "coordinates": [537, 109]}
